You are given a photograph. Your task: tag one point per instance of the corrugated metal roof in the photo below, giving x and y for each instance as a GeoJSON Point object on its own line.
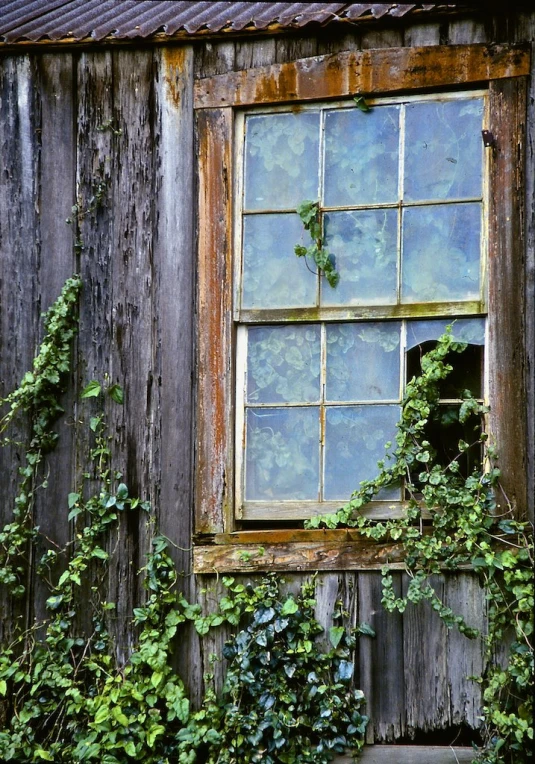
{"type": "Point", "coordinates": [34, 20]}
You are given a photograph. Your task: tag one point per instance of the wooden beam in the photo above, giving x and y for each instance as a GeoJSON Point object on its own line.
{"type": "Point", "coordinates": [410, 754]}
{"type": "Point", "coordinates": [214, 459]}
{"type": "Point", "coordinates": [367, 72]}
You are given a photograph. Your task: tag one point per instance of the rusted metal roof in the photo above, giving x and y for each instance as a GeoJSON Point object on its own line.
{"type": "Point", "coordinates": [97, 20]}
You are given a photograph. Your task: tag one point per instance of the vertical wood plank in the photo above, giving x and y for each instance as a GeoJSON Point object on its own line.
{"type": "Point", "coordinates": [381, 661]}
{"type": "Point", "coordinates": [382, 38]}
{"type": "Point", "coordinates": [416, 35]}
{"type": "Point", "coordinates": [293, 48]}
{"type": "Point", "coordinates": [214, 458]}
{"type": "Point", "coordinates": [251, 53]}
{"type": "Point", "coordinates": [132, 321]}
{"type": "Point", "coordinates": [94, 164]}
{"type": "Point", "coordinates": [466, 31]}
{"type": "Point", "coordinates": [507, 363]}
{"type": "Point", "coordinates": [173, 306]}
{"type": "Point", "coordinates": [425, 666]}
{"type": "Point", "coordinates": [214, 58]}
{"type": "Point", "coordinates": [56, 197]}
{"type": "Point", "coordinates": [465, 657]}
{"type": "Point", "coordinates": [20, 248]}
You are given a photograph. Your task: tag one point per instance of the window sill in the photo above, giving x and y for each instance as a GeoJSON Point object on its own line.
{"type": "Point", "coordinates": [294, 550]}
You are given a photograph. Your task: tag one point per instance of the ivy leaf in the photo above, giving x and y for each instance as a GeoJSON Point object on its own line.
{"type": "Point", "coordinates": [72, 499]}
{"type": "Point", "coordinates": [91, 390]}
{"type": "Point", "coordinates": [116, 393]}
{"type": "Point", "coordinates": [335, 635]}
{"type": "Point", "coordinates": [361, 103]}
{"type": "Point", "coordinates": [290, 607]}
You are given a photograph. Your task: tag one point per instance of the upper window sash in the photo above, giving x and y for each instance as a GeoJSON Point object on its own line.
{"type": "Point", "coordinates": [398, 209]}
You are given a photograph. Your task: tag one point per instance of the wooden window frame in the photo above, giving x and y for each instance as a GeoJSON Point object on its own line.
{"type": "Point", "coordinates": [501, 68]}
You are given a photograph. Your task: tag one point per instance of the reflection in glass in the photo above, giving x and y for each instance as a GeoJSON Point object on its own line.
{"type": "Point", "coordinates": [361, 156]}
{"type": "Point", "coordinates": [282, 454]}
{"type": "Point", "coordinates": [441, 247]}
{"type": "Point", "coordinates": [273, 277]}
{"type": "Point", "coordinates": [363, 361]}
{"type": "Point", "coordinates": [443, 150]}
{"type": "Point", "coordinates": [283, 364]}
{"type": "Point", "coordinates": [281, 160]}
{"type": "Point", "coordinates": [364, 245]}
{"type": "Point", "coordinates": [355, 441]}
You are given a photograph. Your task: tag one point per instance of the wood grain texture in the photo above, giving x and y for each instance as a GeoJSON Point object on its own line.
{"type": "Point", "coordinates": [20, 303]}
{"type": "Point", "coordinates": [132, 322]}
{"type": "Point", "coordinates": [55, 84]}
{"type": "Point", "coordinates": [381, 661]}
{"type": "Point", "coordinates": [369, 72]}
{"type": "Point", "coordinates": [214, 458]}
{"type": "Point", "coordinates": [506, 262]}
{"type": "Point", "coordinates": [410, 754]}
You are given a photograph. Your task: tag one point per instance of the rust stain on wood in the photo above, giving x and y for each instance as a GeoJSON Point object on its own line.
{"type": "Point", "coordinates": [214, 303]}
{"type": "Point", "coordinates": [174, 61]}
{"type": "Point", "coordinates": [367, 72]}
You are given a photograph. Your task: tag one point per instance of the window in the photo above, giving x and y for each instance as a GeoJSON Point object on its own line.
{"type": "Point", "coordinates": [401, 196]}
{"type": "Point", "coordinates": [402, 208]}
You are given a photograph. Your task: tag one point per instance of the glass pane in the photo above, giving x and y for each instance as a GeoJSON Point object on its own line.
{"type": "Point", "coordinates": [361, 156]}
{"type": "Point", "coordinates": [364, 245]}
{"type": "Point", "coordinates": [467, 372]}
{"type": "Point", "coordinates": [282, 454]}
{"type": "Point", "coordinates": [273, 276]}
{"type": "Point", "coordinates": [283, 364]}
{"type": "Point", "coordinates": [441, 246]}
{"type": "Point", "coordinates": [443, 150]}
{"type": "Point", "coordinates": [363, 361]}
{"type": "Point", "coordinates": [355, 441]}
{"type": "Point", "coordinates": [281, 160]}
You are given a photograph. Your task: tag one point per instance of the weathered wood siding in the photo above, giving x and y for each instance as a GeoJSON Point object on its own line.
{"type": "Point", "coordinates": [126, 115]}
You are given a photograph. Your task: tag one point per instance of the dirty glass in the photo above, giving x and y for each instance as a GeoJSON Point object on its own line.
{"type": "Point", "coordinates": [443, 150]}
{"type": "Point", "coordinates": [363, 361]}
{"type": "Point", "coordinates": [355, 441]}
{"type": "Point", "coordinates": [281, 160]}
{"type": "Point", "coordinates": [364, 246]}
{"type": "Point", "coordinates": [441, 251]}
{"type": "Point", "coordinates": [361, 156]}
{"type": "Point", "coordinates": [282, 455]}
{"type": "Point", "coordinates": [273, 277]}
{"type": "Point", "coordinates": [283, 364]}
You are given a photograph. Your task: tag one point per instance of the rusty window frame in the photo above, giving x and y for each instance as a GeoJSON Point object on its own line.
{"type": "Point", "coordinates": [503, 69]}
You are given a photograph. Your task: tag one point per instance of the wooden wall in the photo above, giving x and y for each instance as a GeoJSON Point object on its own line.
{"type": "Point", "coordinates": [125, 114]}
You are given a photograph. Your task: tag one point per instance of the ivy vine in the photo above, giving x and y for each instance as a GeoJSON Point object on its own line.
{"type": "Point", "coordinates": [467, 529]}
{"type": "Point", "coordinates": [310, 216]}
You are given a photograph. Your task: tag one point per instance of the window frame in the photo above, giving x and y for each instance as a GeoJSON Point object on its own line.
{"type": "Point", "coordinates": [501, 68]}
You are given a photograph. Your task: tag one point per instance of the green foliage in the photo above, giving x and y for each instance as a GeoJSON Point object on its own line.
{"type": "Point", "coordinates": [38, 395]}
{"type": "Point", "coordinates": [284, 700]}
{"type": "Point", "coordinates": [465, 531]}
{"type": "Point", "coordinates": [310, 216]}
{"type": "Point", "coordinates": [67, 697]}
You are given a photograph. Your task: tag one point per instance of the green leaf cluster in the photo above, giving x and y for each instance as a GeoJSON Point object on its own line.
{"type": "Point", "coordinates": [284, 700]}
{"type": "Point", "coordinates": [310, 216]}
{"type": "Point", "coordinates": [466, 530]}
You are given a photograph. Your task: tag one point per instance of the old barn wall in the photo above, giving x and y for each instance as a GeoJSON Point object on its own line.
{"type": "Point", "coordinates": [124, 115]}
